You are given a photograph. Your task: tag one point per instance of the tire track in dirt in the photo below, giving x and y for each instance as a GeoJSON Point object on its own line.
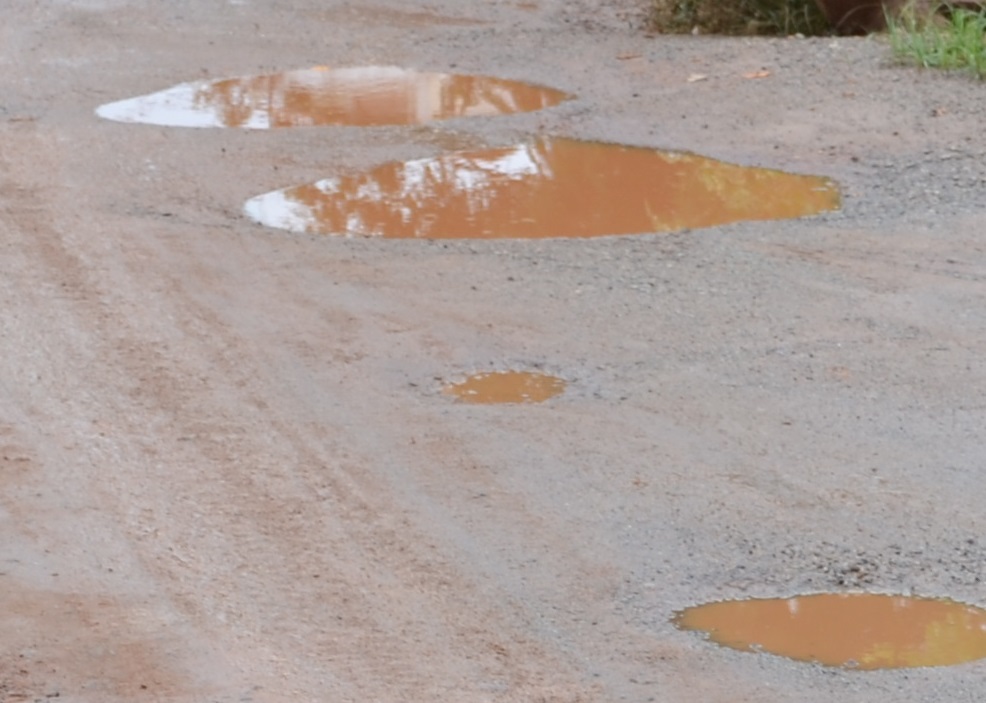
{"type": "Point", "coordinates": [73, 624]}
{"type": "Point", "coordinates": [266, 533]}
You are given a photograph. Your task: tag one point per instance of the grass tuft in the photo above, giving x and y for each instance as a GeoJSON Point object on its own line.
{"type": "Point", "coordinates": [776, 17]}
{"type": "Point", "coordinates": [955, 42]}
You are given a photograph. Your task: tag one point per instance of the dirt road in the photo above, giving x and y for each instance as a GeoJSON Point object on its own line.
{"type": "Point", "coordinates": [227, 472]}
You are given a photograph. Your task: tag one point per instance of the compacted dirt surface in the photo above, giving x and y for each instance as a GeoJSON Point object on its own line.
{"type": "Point", "coordinates": [228, 472]}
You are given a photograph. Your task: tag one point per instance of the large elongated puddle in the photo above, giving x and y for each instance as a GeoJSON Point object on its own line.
{"type": "Point", "coordinates": [364, 96]}
{"type": "Point", "coordinates": [506, 387]}
{"type": "Point", "coordinates": [546, 188]}
{"type": "Point", "coordinates": [851, 630]}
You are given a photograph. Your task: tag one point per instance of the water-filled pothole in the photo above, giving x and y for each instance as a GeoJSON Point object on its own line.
{"type": "Point", "coordinates": [363, 96]}
{"type": "Point", "coordinates": [506, 387]}
{"type": "Point", "coordinates": [546, 188]}
{"type": "Point", "coordinates": [849, 630]}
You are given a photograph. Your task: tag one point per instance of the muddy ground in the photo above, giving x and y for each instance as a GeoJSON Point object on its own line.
{"type": "Point", "coordinates": [228, 472]}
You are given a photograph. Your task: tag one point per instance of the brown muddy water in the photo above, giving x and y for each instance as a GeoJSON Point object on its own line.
{"type": "Point", "coordinates": [506, 387]}
{"type": "Point", "coordinates": [319, 96]}
{"type": "Point", "coordinates": [848, 630]}
{"type": "Point", "coordinates": [546, 188]}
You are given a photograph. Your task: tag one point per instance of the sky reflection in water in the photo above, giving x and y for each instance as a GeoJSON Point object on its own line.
{"type": "Point", "coordinates": [547, 188]}
{"type": "Point", "coordinates": [362, 96]}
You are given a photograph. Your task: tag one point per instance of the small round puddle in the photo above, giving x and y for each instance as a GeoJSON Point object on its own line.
{"type": "Point", "coordinates": [506, 387]}
{"type": "Point", "coordinates": [548, 188]}
{"type": "Point", "coordinates": [362, 96]}
{"type": "Point", "coordinates": [849, 630]}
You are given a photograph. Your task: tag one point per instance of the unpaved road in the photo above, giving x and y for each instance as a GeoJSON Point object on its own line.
{"type": "Point", "coordinates": [228, 474]}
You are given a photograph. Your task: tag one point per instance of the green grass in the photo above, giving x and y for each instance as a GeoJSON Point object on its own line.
{"type": "Point", "coordinates": [778, 17]}
{"type": "Point", "coordinates": [954, 43]}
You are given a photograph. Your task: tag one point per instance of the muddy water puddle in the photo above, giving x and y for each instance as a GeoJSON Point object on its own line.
{"type": "Point", "coordinates": [506, 387]}
{"type": "Point", "coordinates": [849, 630]}
{"type": "Point", "coordinates": [546, 188]}
{"type": "Point", "coordinates": [319, 96]}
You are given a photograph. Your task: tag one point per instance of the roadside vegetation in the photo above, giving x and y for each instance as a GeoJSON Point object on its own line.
{"type": "Point", "coordinates": [951, 42]}
{"type": "Point", "coordinates": [777, 17]}
{"type": "Point", "coordinates": [947, 36]}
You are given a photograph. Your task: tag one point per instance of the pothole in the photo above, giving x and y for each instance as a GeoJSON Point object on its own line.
{"type": "Point", "coordinates": [849, 630]}
{"type": "Point", "coordinates": [361, 96]}
{"type": "Point", "coordinates": [546, 188]}
{"type": "Point", "coordinates": [506, 387]}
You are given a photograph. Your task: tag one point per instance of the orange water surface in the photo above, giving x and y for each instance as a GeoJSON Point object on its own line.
{"type": "Point", "coordinates": [851, 630]}
{"type": "Point", "coordinates": [506, 387]}
{"type": "Point", "coordinates": [546, 188]}
{"type": "Point", "coordinates": [361, 96]}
